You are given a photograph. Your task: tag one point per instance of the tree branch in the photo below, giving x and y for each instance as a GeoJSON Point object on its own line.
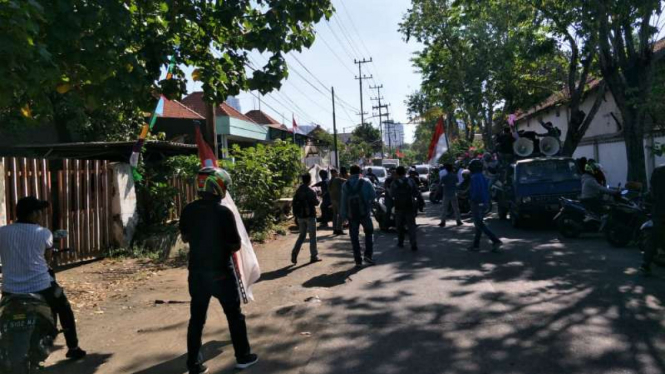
{"type": "Point", "coordinates": [594, 110]}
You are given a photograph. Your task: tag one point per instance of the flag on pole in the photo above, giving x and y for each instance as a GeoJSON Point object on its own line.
{"type": "Point", "coordinates": [295, 125]}
{"type": "Point", "coordinates": [245, 264]}
{"type": "Point", "coordinates": [439, 144]}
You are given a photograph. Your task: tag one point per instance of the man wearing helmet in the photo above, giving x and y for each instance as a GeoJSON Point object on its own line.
{"type": "Point", "coordinates": [211, 231]}
{"type": "Point", "coordinates": [592, 191]}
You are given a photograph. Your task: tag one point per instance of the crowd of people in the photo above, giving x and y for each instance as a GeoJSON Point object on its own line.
{"type": "Point", "coordinates": [211, 231]}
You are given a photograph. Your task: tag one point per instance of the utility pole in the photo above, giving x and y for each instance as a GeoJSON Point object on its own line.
{"type": "Point", "coordinates": [360, 77]}
{"type": "Point", "coordinates": [335, 128]}
{"type": "Point", "coordinates": [379, 107]}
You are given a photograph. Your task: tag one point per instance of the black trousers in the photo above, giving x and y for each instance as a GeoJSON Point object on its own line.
{"type": "Point", "coordinates": [56, 299]}
{"type": "Point", "coordinates": [224, 287]}
{"type": "Point", "coordinates": [406, 222]}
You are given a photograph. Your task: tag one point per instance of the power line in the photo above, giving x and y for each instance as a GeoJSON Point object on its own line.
{"type": "Point", "coordinates": [319, 36]}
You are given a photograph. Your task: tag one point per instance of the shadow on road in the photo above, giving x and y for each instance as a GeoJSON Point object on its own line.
{"type": "Point", "coordinates": [89, 365]}
{"type": "Point", "coordinates": [178, 365]}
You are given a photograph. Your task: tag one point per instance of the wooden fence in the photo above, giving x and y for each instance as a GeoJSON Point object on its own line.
{"type": "Point", "coordinates": [80, 194]}
{"type": "Point", "coordinates": [186, 193]}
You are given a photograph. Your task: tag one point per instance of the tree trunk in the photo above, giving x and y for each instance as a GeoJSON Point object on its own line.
{"type": "Point", "coordinates": [579, 123]}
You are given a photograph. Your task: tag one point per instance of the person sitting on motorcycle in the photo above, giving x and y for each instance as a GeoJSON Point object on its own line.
{"type": "Point", "coordinates": [592, 191]}
{"type": "Point", "coordinates": [371, 176]}
{"type": "Point", "coordinates": [23, 247]}
{"type": "Point", "coordinates": [598, 173]}
{"type": "Point", "coordinates": [415, 177]}
{"type": "Point", "coordinates": [392, 175]}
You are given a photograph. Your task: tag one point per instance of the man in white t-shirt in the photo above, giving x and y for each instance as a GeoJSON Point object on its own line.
{"type": "Point", "coordinates": [24, 269]}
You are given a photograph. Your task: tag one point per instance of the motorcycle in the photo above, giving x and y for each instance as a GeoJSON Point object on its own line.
{"type": "Point", "coordinates": [28, 328]}
{"type": "Point", "coordinates": [380, 210]}
{"type": "Point", "coordinates": [646, 232]}
{"type": "Point", "coordinates": [624, 222]}
{"type": "Point", "coordinates": [574, 219]}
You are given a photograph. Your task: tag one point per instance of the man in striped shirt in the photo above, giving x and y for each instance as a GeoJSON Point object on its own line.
{"type": "Point", "coordinates": [24, 269]}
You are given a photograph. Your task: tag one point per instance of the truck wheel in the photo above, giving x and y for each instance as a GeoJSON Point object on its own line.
{"type": "Point", "coordinates": [617, 236]}
{"type": "Point", "coordinates": [567, 227]}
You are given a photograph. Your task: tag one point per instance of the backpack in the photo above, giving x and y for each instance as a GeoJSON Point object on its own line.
{"type": "Point", "coordinates": [301, 205]}
{"type": "Point", "coordinates": [356, 205]}
{"type": "Point", "coordinates": [403, 195]}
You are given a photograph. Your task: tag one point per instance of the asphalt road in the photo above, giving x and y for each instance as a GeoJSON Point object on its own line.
{"type": "Point", "coordinates": [544, 305]}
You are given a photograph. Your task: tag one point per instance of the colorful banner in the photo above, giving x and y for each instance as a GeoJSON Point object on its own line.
{"type": "Point", "coordinates": [159, 110]}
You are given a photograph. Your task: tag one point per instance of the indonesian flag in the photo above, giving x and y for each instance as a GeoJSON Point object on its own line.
{"type": "Point", "coordinates": [399, 154]}
{"type": "Point", "coordinates": [295, 125]}
{"type": "Point", "coordinates": [439, 144]}
{"type": "Point", "coordinates": [245, 264]}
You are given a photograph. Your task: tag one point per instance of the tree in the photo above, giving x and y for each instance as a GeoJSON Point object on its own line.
{"type": "Point", "coordinates": [73, 61]}
{"type": "Point", "coordinates": [626, 42]}
{"type": "Point", "coordinates": [367, 134]}
{"type": "Point", "coordinates": [571, 22]}
{"type": "Point", "coordinates": [480, 58]}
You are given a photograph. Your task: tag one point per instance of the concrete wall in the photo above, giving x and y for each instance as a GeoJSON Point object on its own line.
{"type": "Point", "coordinates": [602, 124]}
{"type": "Point", "coordinates": [124, 205]}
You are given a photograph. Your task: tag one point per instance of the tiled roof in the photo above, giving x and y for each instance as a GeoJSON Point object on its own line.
{"type": "Point", "coordinates": [176, 109]}
{"type": "Point", "coordinates": [263, 118]}
{"type": "Point", "coordinates": [196, 103]}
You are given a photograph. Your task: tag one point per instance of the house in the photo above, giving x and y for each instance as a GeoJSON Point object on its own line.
{"type": "Point", "coordinates": [603, 140]}
{"type": "Point", "coordinates": [232, 127]}
{"type": "Point", "coordinates": [178, 122]}
{"type": "Point", "coordinates": [276, 130]}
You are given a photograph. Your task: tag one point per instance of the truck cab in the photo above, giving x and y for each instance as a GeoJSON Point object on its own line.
{"type": "Point", "coordinates": [531, 188]}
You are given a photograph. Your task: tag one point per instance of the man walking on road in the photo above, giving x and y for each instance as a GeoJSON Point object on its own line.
{"type": "Point", "coordinates": [357, 197]}
{"type": "Point", "coordinates": [449, 185]}
{"type": "Point", "coordinates": [658, 230]}
{"type": "Point", "coordinates": [210, 229]}
{"type": "Point", "coordinates": [404, 193]}
{"type": "Point", "coordinates": [335, 191]}
{"type": "Point", "coordinates": [480, 199]}
{"type": "Point", "coordinates": [304, 208]}
{"type": "Point", "coordinates": [392, 176]}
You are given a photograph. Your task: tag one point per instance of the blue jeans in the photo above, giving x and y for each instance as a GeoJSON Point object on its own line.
{"type": "Point", "coordinates": [478, 212]}
{"type": "Point", "coordinates": [354, 232]}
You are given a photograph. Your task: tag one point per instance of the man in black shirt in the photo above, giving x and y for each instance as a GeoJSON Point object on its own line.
{"type": "Point", "coordinates": [304, 208]}
{"type": "Point", "coordinates": [210, 229]}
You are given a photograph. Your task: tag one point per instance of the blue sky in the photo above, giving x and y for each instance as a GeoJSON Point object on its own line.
{"type": "Point", "coordinates": [359, 29]}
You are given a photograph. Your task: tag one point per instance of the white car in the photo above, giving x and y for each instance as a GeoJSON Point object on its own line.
{"type": "Point", "coordinates": [380, 172]}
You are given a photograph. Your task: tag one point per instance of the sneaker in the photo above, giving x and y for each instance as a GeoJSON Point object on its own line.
{"type": "Point", "coordinates": [198, 369]}
{"type": "Point", "coordinates": [247, 361]}
{"type": "Point", "coordinates": [460, 223]}
{"type": "Point", "coordinates": [369, 260]}
{"type": "Point", "coordinates": [442, 224]}
{"type": "Point", "coordinates": [473, 248]}
{"type": "Point", "coordinates": [76, 354]}
{"type": "Point", "coordinates": [315, 259]}
{"type": "Point", "coordinates": [294, 258]}
{"type": "Point", "coordinates": [496, 247]}
{"type": "Point", "coordinates": [645, 270]}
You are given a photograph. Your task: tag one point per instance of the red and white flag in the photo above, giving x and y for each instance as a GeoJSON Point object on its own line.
{"type": "Point", "coordinates": [439, 144]}
{"type": "Point", "coordinates": [246, 266]}
{"type": "Point", "coordinates": [295, 125]}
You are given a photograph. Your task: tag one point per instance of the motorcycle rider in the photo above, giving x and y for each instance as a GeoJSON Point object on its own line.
{"type": "Point", "coordinates": [404, 193]}
{"type": "Point", "coordinates": [23, 247]}
{"type": "Point", "coordinates": [592, 191]}
{"type": "Point", "coordinates": [371, 176]}
{"type": "Point", "coordinates": [658, 217]}
{"type": "Point", "coordinates": [211, 231]}
{"type": "Point", "coordinates": [392, 176]}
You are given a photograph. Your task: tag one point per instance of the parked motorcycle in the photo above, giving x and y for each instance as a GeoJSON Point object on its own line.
{"type": "Point", "coordinates": [574, 219]}
{"type": "Point", "coordinates": [624, 221]}
{"type": "Point", "coordinates": [28, 328]}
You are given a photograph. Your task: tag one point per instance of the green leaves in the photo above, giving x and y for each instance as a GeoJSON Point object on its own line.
{"type": "Point", "coordinates": [94, 41]}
